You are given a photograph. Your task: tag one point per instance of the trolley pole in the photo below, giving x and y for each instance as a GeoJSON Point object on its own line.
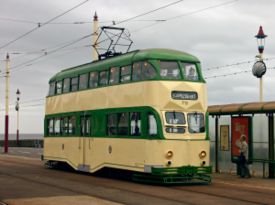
{"type": "Point", "coordinates": [17, 110]}
{"type": "Point", "coordinates": [95, 36]}
{"type": "Point", "coordinates": [7, 104]}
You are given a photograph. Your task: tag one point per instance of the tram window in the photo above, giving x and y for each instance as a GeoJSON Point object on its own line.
{"type": "Point", "coordinates": [71, 125]}
{"type": "Point", "coordinates": [190, 71]}
{"type": "Point", "coordinates": [65, 126]}
{"type": "Point", "coordinates": [112, 124]}
{"type": "Point", "coordinates": [148, 71]}
{"type": "Point", "coordinates": [175, 118]}
{"type": "Point", "coordinates": [152, 127]}
{"type": "Point", "coordinates": [85, 125]}
{"type": "Point", "coordinates": [135, 123]}
{"type": "Point", "coordinates": [171, 129]}
{"type": "Point", "coordinates": [74, 84]}
{"type": "Point", "coordinates": [59, 87]}
{"type": "Point", "coordinates": [103, 78]}
{"type": "Point", "coordinates": [125, 74]}
{"type": "Point", "coordinates": [83, 81]}
{"type": "Point", "coordinates": [114, 76]}
{"type": "Point", "coordinates": [169, 70]}
{"type": "Point", "coordinates": [196, 122]}
{"type": "Point", "coordinates": [52, 89]}
{"type": "Point", "coordinates": [123, 123]}
{"type": "Point", "coordinates": [136, 74]}
{"type": "Point", "coordinates": [93, 80]}
{"type": "Point", "coordinates": [50, 126]}
{"type": "Point", "coordinates": [66, 85]}
{"type": "Point", "coordinates": [57, 126]}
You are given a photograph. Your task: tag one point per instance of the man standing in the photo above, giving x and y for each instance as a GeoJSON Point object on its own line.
{"type": "Point", "coordinates": [243, 149]}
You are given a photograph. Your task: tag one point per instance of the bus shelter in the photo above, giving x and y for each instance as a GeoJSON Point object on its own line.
{"type": "Point", "coordinates": [241, 123]}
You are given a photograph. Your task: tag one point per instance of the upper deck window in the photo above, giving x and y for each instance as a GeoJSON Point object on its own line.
{"type": "Point", "coordinates": [190, 71]}
{"type": "Point", "coordinates": [196, 122]}
{"type": "Point", "coordinates": [93, 80]}
{"type": "Point", "coordinates": [59, 87]}
{"type": "Point", "coordinates": [169, 70]}
{"type": "Point", "coordinates": [114, 76]}
{"type": "Point", "coordinates": [143, 71]}
{"type": "Point", "coordinates": [125, 74]}
{"type": "Point", "coordinates": [52, 89]}
{"type": "Point", "coordinates": [66, 85]}
{"type": "Point", "coordinates": [74, 84]}
{"type": "Point", "coordinates": [103, 78]}
{"type": "Point", "coordinates": [83, 81]}
{"type": "Point", "coordinates": [175, 118]}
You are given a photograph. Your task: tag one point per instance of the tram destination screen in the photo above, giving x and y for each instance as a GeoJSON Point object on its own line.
{"type": "Point", "coordinates": [184, 95]}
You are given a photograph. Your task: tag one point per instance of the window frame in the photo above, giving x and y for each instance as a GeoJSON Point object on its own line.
{"type": "Point", "coordinates": [69, 85]}
{"type": "Point", "coordinates": [74, 84]}
{"type": "Point", "coordinates": [85, 84]}
{"type": "Point", "coordinates": [90, 79]}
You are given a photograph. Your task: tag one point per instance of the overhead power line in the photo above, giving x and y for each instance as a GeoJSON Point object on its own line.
{"type": "Point", "coordinates": [42, 24]}
{"type": "Point", "coordinates": [47, 53]}
{"type": "Point", "coordinates": [235, 64]}
{"type": "Point", "coordinates": [186, 14]}
{"type": "Point", "coordinates": [230, 74]}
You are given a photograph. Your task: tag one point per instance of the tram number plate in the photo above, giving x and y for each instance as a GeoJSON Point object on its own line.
{"type": "Point", "coordinates": [184, 95]}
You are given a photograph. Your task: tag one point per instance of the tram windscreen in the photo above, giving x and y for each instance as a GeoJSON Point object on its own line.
{"type": "Point", "coordinates": [175, 118]}
{"type": "Point", "coordinates": [169, 70]}
{"type": "Point", "coordinates": [195, 122]}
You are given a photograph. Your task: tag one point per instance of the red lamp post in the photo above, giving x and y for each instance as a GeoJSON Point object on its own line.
{"type": "Point", "coordinates": [17, 110]}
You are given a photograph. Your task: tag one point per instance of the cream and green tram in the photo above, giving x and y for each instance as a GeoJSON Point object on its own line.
{"type": "Point", "coordinates": [143, 111]}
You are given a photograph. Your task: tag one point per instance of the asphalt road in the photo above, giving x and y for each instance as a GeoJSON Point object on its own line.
{"type": "Point", "coordinates": [25, 181]}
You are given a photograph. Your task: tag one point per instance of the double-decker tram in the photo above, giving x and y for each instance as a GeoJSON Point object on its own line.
{"type": "Point", "coordinates": [143, 111]}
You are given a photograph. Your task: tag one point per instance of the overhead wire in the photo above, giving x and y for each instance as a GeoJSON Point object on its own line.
{"type": "Point", "coordinates": [42, 24]}
{"type": "Point", "coordinates": [86, 36]}
{"type": "Point", "coordinates": [187, 14]}
{"type": "Point", "coordinates": [230, 74]}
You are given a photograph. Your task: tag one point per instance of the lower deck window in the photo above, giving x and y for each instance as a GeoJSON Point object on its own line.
{"type": "Point", "coordinates": [171, 129]}
{"type": "Point", "coordinates": [135, 123]}
{"type": "Point", "coordinates": [152, 128]}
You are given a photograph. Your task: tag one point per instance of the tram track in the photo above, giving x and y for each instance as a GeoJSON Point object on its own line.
{"type": "Point", "coordinates": [94, 185]}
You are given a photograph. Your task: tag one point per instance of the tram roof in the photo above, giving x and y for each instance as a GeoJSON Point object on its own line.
{"type": "Point", "coordinates": [125, 59]}
{"type": "Point", "coordinates": [242, 108]}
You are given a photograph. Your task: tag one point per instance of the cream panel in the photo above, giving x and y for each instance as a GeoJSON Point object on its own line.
{"type": "Point", "coordinates": [128, 154]}
{"type": "Point", "coordinates": [151, 93]}
{"type": "Point", "coordinates": [185, 152]}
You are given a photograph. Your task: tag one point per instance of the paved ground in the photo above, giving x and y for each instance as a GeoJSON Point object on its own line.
{"type": "Point", "coordinates": [24, 181]}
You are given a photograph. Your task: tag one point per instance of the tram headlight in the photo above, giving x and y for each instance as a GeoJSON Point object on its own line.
{"type": "Point", "coordinates": [202, 154]}
{"type": "Point", "coordinates": [169, 154]}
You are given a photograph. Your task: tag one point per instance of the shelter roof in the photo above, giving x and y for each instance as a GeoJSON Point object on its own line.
{"type": "Point", "coordinates": [242, 108]}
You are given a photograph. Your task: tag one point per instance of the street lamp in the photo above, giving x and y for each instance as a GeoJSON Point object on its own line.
{"type": "Point", "coordinates": [17, 110]}
{"type": "Point", "coordinates": [259, 67]}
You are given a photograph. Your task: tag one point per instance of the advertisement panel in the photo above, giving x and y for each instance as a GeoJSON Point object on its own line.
{"type": "Point", "coordinates": [240, 126]}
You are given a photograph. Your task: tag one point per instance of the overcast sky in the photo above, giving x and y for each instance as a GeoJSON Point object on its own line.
{"type": "Point", "coordinates": [218, 32]}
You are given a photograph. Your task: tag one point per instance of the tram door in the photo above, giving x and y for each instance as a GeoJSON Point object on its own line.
{"type": "Point", "coordinates": [85, 122]}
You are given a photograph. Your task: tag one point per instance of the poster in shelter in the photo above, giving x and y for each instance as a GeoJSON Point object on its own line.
{"type": "Point", "coordinates": [239, 126]}
{"type": "Point", "coordinates": [224, 137]}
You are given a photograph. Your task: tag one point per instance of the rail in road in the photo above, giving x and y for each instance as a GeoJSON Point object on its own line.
{"type": "Point", "coordinates": [25, 181]}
